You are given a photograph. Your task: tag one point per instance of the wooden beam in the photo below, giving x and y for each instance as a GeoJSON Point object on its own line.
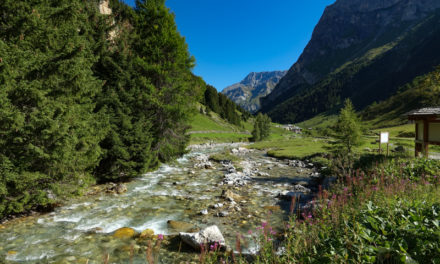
{"type": "Point", "coordinates": [417, 131]}
{"type": "Point", "coordinates": [423, 117]}
{"type": "Point", "coordinates": [426, 138]}
{"type": "Point", "coordinates": [417, 138]}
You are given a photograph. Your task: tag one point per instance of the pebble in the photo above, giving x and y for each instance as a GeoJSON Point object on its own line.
{"type": "Point", "coordinates": [204, 212]}
{"type": "Point", "coordinates": [223, 214]}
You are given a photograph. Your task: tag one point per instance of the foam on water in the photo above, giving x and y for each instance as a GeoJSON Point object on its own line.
{"type": "Point", "coordinates": [71, 218]}
{"type": "Point", "coordinates": [166, 169]}
{"type": "Point", "coordinates": [183, 159]}
{"type": "Point", "coordinates": [20, 257]}
{"type": "Point", "coordinates": [159, 226]}
{"type": "Point", "coordinates": [107, 226]}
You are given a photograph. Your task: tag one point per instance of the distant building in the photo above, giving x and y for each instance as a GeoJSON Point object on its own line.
{"type": "Point", "coordinates": [293, 128]}
{"type": "Point", "coordinates": [427, 121]}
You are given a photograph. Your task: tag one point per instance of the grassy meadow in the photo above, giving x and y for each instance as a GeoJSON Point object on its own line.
{"type": "Point", "coordinates": [382, 209]}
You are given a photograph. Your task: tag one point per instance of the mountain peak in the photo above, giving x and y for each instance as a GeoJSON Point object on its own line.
{"type": "Point", "coordinates": [247, 93]}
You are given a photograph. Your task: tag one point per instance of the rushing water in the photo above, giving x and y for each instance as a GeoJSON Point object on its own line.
{"type": "Point", "coordinates": [81, 230]}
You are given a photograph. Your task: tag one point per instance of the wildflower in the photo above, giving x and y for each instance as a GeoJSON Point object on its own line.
{"type": "Point", "coordinates": [288, 226]}
{"type": "Point", "coordinates": [160, 237]}
{"type": "Point", "coordinates": [250, 232]}
{"type": "Point", "coordinates": [273, 232]}
{"type": "Point", "coordinates": [309, 216]}
{"type": "Point", "coordinates": [263, 224]}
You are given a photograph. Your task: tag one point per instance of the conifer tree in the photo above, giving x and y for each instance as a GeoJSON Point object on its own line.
{"type": "Point", "coordinates": [50, 133]}
{"type": "Point", "coordinates": [127, 147]}
{"type": "Point", "coordinates": [348, 130]}
{"type": "Point", "coordinates": [261, 129]}
{"type": "Point", "coordinates": [164, 67]}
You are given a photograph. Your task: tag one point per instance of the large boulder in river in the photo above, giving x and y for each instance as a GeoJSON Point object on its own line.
{"type": "Point", "coordinates": [179, 226]}
{"type": "Point", "coordinates": [125, 232]}
{"type": "Point", "coordinates": [207, 236]}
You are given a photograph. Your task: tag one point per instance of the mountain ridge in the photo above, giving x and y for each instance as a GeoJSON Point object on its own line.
{"type": "Point", "coordinates": [347, 32]}
{"type": "Point", "coordinates": [255, 85]}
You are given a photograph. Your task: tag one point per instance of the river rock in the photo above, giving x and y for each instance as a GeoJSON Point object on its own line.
{"type": "Point", "coordinates": [228, 194]}
{"type": "Point", "coordinates": [217, 205]}
{"type": "Point", "coordinates": [236, 179]}
{"type": "Point", "coordinates": [223, 214]}
{"type": "Point", "coordinates": [204, 212]}
{"type": "Point", "coordinates": [147, 234]}
{"type": "Point", "coordinates": [117, 188]}
{"type": "Point", "coordinates": [263, 174]}
{"type": "Point", "coordinates": [125, 232]}
{"type": "Point", "coordinates": [202, 162]}
{"type": "Point", "coordinates": [179, 226]}
{"type": "Point", "coordinates": [288, 195]}
{"type": "Point", "coordinates": [207, 236]}
{"type": "Point", "coordinates": [301, 189]}
{"type": "Point", "coordinates": [272, 208]}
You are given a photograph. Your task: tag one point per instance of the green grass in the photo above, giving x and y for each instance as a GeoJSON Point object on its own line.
{"type": "Point", "coordinates": [202, 122]}
{"type": "Point", "coordinates": [212, 122]}
{"type": "Point", "coordinates": [224, 156]}
{"type": "Point", "coordinates": [398, 131]}
{"type": "Point", "coordinates": [293, 148]}
{"type": "Point", "coordinates": [212, 128]}
{"type": "Point", "coordinates": [219, 137]}
{"type": "Point", "coordinates": [319, 121]}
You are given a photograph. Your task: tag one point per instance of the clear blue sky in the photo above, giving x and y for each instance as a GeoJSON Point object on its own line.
{"type": "Point", "coordinates": [231, 38]}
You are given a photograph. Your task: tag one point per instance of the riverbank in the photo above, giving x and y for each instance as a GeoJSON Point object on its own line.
{"type": "Point", "coordinates": [237, 196]}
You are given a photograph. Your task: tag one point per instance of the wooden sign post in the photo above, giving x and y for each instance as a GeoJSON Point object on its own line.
{"type": "Point", "coordinates": [384, 138]}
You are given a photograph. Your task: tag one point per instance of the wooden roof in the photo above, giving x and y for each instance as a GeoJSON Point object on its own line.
{"type": "Point", "coordinates": [424, 113]}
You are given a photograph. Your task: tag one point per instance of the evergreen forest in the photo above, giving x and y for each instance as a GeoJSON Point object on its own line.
{"type": "Point", "coordinates": [88, 98]}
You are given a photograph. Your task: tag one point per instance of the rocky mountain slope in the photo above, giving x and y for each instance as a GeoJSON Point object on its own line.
{"type": "Point", "coordinates": [248, 92]}
{"type": "Point", "coordinates": [360, 49]}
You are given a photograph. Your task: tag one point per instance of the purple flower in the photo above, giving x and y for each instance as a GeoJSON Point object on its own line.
{"type": "Point", "coordinates": [160, 236]}
{"type": "Point", "coordinates": [273, 232]}
{"type": "Point", "coordinates": [250, 232]}
{"type": "Point", "coordinates": [263, 224]}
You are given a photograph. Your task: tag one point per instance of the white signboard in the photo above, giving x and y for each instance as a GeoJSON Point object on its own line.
{"type": "Point", "coordinates": [384, 137]}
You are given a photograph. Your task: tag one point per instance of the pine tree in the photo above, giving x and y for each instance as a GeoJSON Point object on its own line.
{"type": "Point", "coordinates": [50, 133]}
{"type": "Point", "coordinates": [164, 67]}
{"type": "Point", "coordinates": [261, 129]}
{"type": "Point", "coordinates": [127, 147]}
{"type": "Point", "coordinates": [348, 130]}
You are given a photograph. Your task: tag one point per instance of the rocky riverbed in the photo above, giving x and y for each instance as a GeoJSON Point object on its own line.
{"type": "Point", "coordinates": [187, 197]}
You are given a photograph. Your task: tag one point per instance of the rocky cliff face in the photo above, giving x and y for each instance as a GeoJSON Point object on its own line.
{"type": "Point", "coordinates": [248, 92]}
{"type": "Point", "coordinates": [348, 30]}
